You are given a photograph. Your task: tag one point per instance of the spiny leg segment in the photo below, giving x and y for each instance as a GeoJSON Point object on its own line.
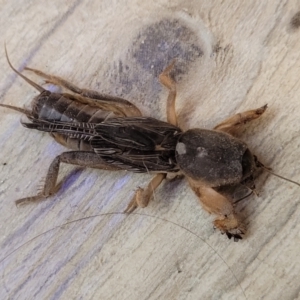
{"type": "Point", "coordinates": [79, 158]}
{"type": "Point", "coordinates": [125, 107]}
{"type": "Point", "coordinates": [233, 123]}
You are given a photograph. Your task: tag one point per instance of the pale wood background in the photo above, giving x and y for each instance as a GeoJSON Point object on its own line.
{"type": "Point", "coordinates": [168, 250]}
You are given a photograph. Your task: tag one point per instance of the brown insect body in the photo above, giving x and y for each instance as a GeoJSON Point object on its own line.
{"type": "Point", "coordinates": [215, 158]}
{"type": "Point", "coordinates": [110, 133]}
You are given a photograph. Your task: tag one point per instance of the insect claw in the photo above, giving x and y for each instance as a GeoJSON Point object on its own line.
{"type": "Point", "coordinates": [229, 235]}
{"type": "Point", "coordinates": [231, 227]}
{"type": "Point", "coordinates": [237, 238]}
{"type": "Point", "coordinates": [132, 206]}
{"type": "Point", "coordinates": [262, 109]}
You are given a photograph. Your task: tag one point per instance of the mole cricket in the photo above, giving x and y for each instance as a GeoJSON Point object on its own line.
{"type": "Point", "coordinates": [110, 133]}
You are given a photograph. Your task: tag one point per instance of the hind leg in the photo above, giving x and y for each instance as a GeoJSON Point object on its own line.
{"type": "Point", "coordinates": [233, 123]}
{"type": "Point", "coordinates": [108, 102]}
{"type": "Point", "coordinates": [79, 158]}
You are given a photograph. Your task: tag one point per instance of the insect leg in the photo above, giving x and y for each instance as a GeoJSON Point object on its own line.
{"type": "Point", "coordinates": [79, 158]}
{"type": "Point", "coordinates": [142, 197]}
{"type": "Point", "coordinates": [166, 80]}
{"type": "Point", "coordinates": [127, 108]}
{"type": "Point", "coordinates": [232, 123]}
{"type": "Point", "coordinates": [217, 204]}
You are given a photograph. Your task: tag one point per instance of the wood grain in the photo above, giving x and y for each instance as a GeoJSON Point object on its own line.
{"type": "Point", "coordinates": [231, 56]}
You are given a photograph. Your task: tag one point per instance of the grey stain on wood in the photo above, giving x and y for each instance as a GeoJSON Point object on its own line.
{"type": "Point", "coordinates": [163, 41]}
{"type": "Point", "coordinates": [295, 21]}
{"type": "Point", "coordinates": [151, 50]}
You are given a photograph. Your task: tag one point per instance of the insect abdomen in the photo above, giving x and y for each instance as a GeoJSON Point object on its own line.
{"type": "Point", "coordinates": [56, 107]}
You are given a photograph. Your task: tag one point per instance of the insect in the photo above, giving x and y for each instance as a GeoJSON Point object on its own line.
{"type": "Point", "coordinates": [110, 133]}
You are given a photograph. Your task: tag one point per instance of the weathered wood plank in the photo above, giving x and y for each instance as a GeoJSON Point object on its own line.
{"type": "Point", "coordinates": [168, 250]}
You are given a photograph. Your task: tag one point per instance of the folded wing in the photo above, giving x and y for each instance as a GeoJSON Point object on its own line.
{"type": "Point", "coordinates": [136, 144]}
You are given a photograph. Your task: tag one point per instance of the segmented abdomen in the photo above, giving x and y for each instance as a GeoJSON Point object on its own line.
{"type": "Point", "coordinates": [56, 107]}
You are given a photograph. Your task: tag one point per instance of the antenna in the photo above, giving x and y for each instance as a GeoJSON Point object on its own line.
{"type": "Point", "coordinates": [35, 85]}
{"type": "Point", "coordinates": [284, 178]}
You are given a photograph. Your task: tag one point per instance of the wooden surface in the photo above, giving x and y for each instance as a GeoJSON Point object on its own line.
{"type": "Point", "coordinates": [231, 56]}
